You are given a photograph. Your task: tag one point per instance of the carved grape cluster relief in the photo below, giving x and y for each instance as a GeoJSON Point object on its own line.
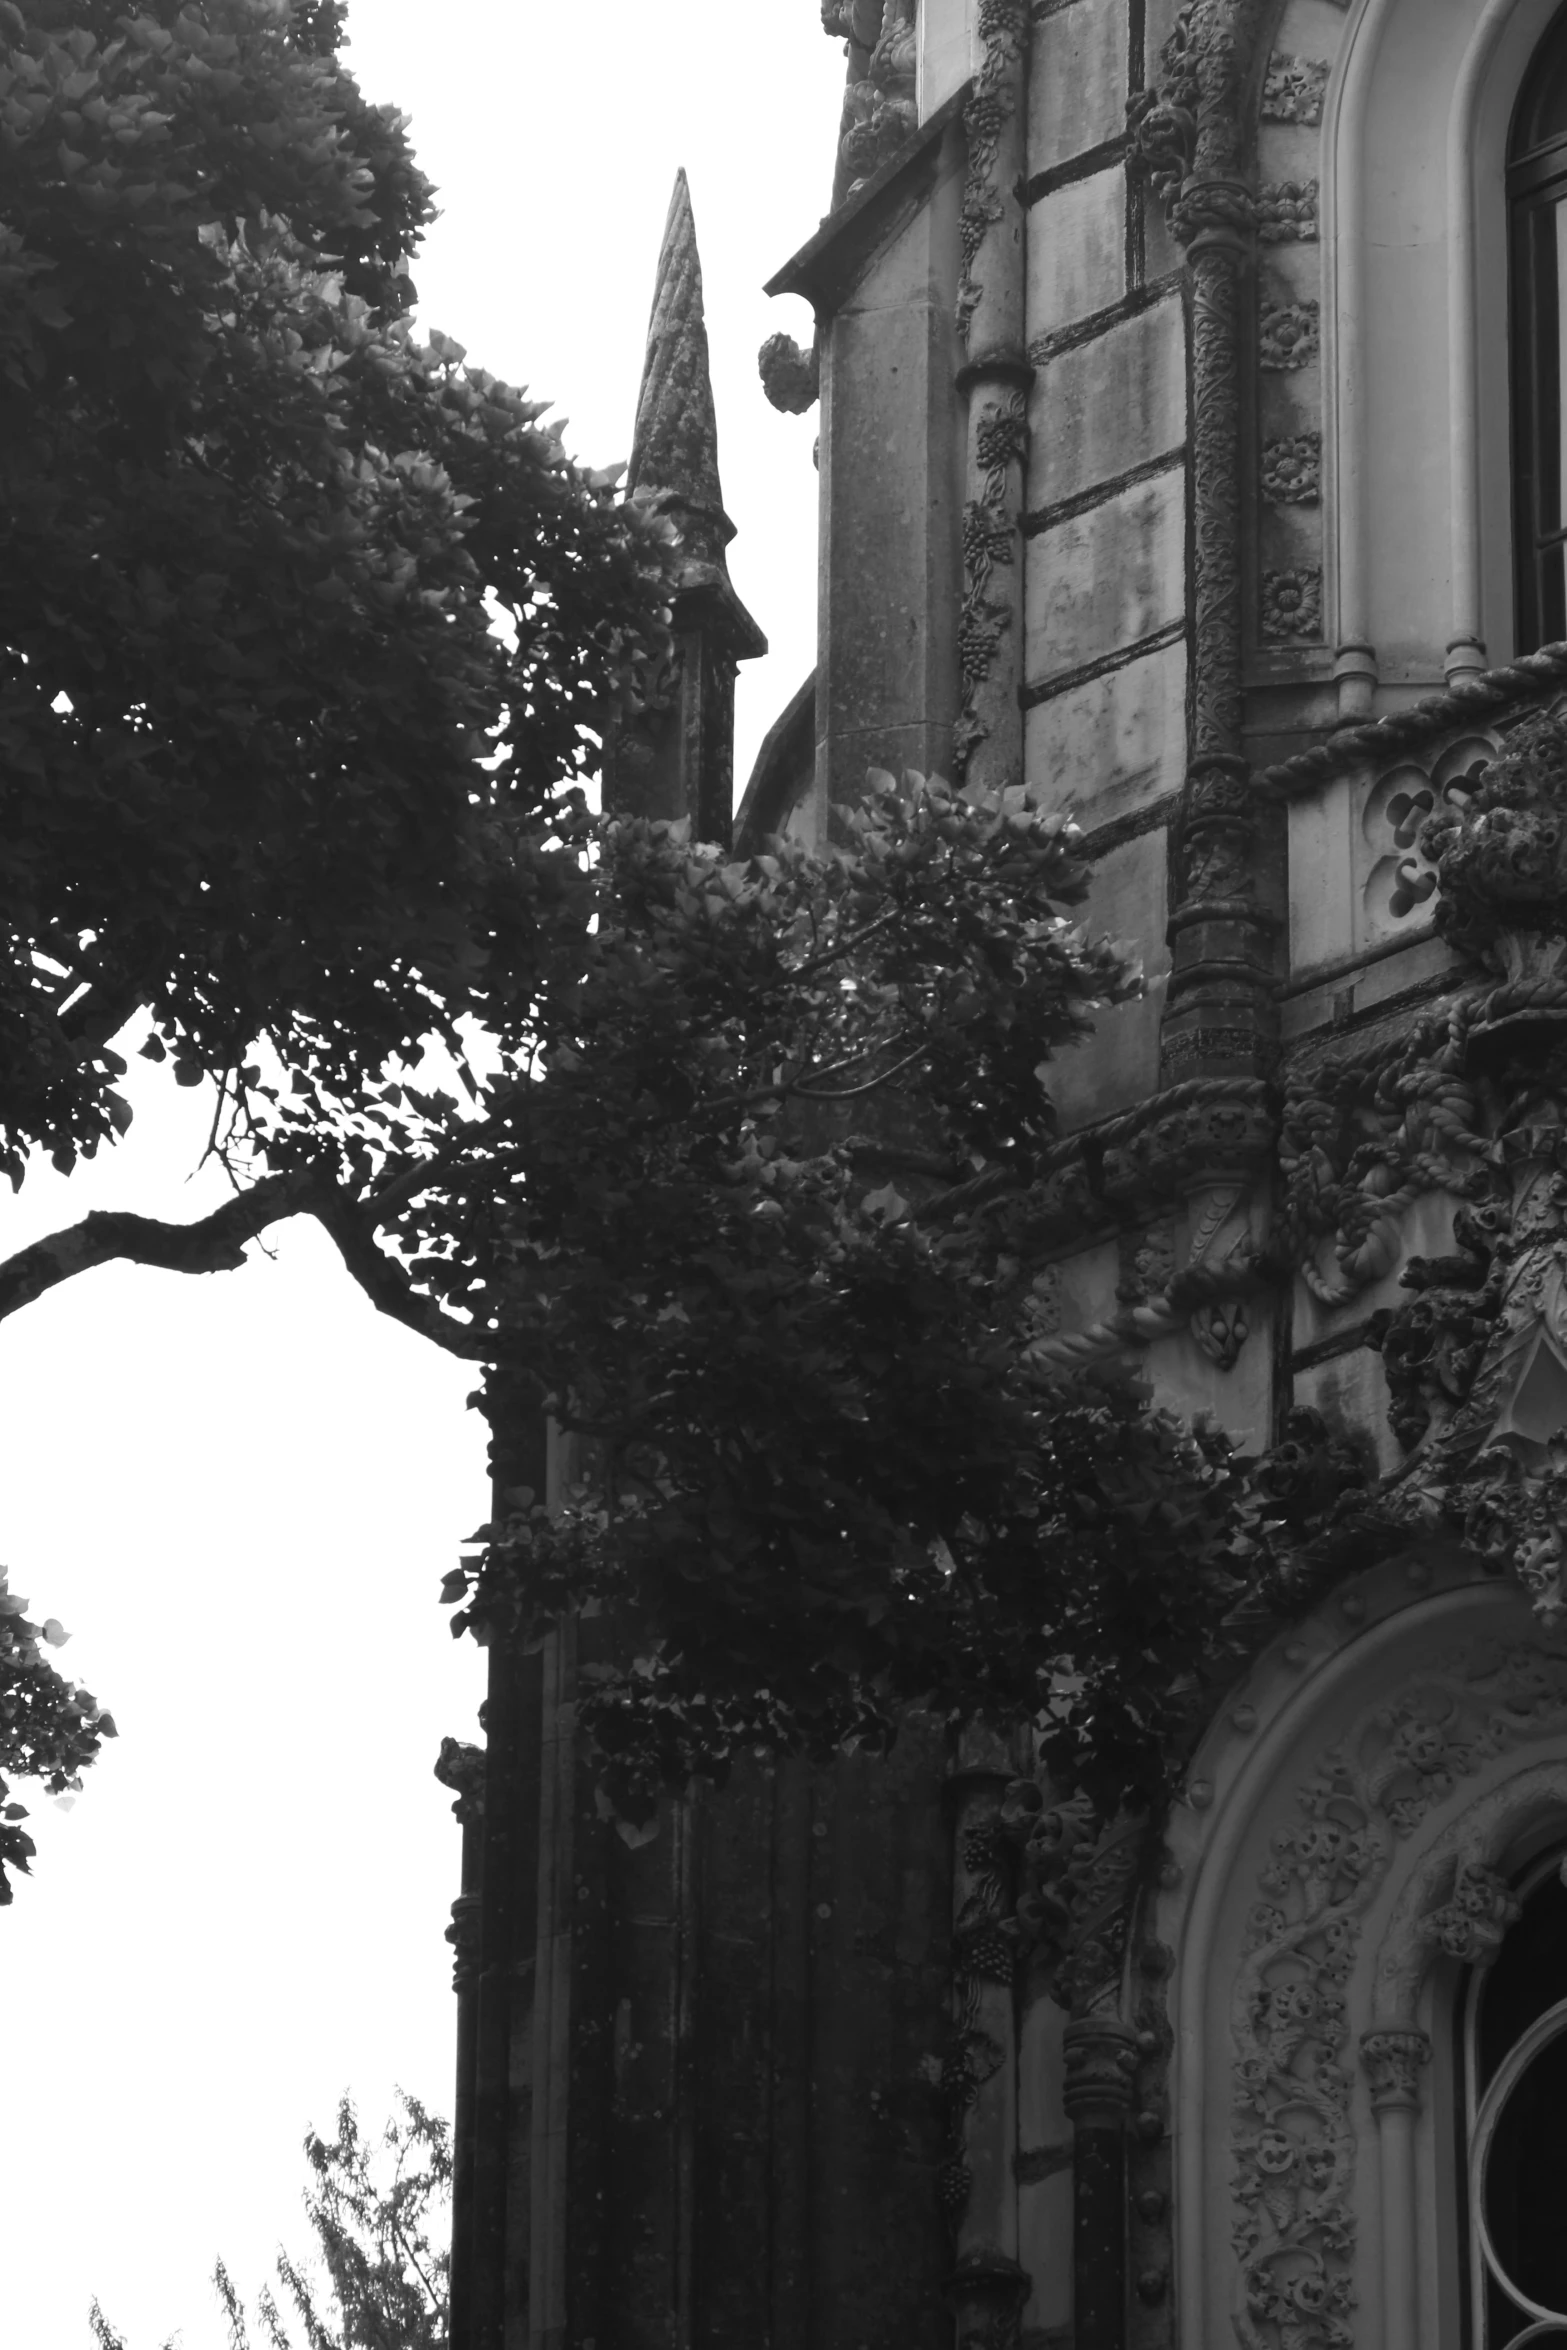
{"type": "Point", "coordinates": [1287, 213]}
{"type": "Point", "coordinates": [1293, 2143]}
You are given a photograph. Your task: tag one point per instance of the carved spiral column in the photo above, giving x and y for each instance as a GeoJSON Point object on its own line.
{"type": "Point", "coordinates": [1219, 1015]}
{"type": "Point", "coordinates": [995, 376]}
{"type": "Point", "coordinates": [1394, 2062]}
{"type": "Point", "coordinates": [1101, 2065]}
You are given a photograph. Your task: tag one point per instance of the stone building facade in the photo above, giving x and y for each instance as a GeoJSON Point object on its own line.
{"type": "Point", "coordinates": [1191, 443]}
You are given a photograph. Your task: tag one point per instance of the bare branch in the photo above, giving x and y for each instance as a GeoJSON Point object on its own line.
{"type": "Point", "coordinates": [388, 1287]}
{"type": "Point", "coordinates": [215, 1245]}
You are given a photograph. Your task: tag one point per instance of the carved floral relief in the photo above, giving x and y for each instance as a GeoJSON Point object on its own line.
{"type": "Point", "coordinates": [1294, 2142]}
{"type": "Point", "coordinates": [1292, 470]}
{"type": "Point", "coordinates": [1289, 335]}
{"type": "Point", "coordinates": [1292, 89]}
{"type": "Point", "coordinates": [1292, 606]}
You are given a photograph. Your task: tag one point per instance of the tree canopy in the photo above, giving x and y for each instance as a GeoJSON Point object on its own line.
{"type": "Point", "coordinates": [310, 636]}
{"type": "Point", "coordinates": [379, 2275]}
{"type": "Point", "coordinates": [270, 770]}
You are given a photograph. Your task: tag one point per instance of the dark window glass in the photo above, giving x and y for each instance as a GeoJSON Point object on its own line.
{"type": "Point", "coordinates": [1537, 229]}
{"type": "Point", "coordinates": [1518, 2092]}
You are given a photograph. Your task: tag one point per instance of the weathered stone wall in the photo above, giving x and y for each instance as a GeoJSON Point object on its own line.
{"type": "Point", "coordinates": [1105, 667]}
{"type": "Point", "coordinates": [713, 2104]}
{"type": "Point", "coordinates": [883, 279]}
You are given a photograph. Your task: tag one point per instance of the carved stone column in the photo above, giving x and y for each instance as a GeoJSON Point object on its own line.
{"type": "Point", "coordinates": [1394, 2062]}
{"type": "Point", "coordinates": [995, 376]}
{"type": "Point", "coordinates": [1101, 2062]}
{"type": "Point", "coordinates": [1219, 1016]}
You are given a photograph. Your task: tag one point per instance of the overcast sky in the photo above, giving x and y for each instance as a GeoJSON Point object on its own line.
{"type": "Point", "coordinates": [240, 1493]}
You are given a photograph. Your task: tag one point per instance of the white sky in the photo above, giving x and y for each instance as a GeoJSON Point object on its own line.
{"type": "Point", "coordinates": [240, 1493]}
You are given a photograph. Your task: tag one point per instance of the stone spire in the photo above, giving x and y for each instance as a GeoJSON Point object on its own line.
{"type": "Point", "coordinates": [677, 760]}
{"type": "Point", "coordinates": [674, 451]}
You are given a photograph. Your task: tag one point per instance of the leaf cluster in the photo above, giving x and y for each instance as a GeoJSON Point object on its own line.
{"type": "Point", "coordinates": [50, 1728]}
{"type": "Point", "coordinates": [378, 2209]}
{"type": "Point", "coordinates": [269, 767]}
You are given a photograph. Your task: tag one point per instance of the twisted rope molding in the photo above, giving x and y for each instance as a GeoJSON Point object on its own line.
{"type": "Point", "coordinates": [1484, 695]}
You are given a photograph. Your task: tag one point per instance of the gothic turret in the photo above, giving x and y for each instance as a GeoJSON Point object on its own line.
{"type": "Point", "coordinates": [679, 760]}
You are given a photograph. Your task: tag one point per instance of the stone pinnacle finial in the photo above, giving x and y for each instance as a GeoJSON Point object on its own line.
{"type": "Point", "coordinates": [674, 451]}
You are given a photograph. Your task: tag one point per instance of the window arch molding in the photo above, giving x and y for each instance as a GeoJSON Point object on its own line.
{"type": "Point", "coordinates": [1416, 395]}
{"type": "Point", "coordinates": [1381, 1762]}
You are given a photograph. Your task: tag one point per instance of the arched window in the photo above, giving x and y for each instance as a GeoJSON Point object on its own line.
{"type": "Point", "coordinates": [1516, 2078]}
{"type": "Point", "coordinates": [1537, 215]}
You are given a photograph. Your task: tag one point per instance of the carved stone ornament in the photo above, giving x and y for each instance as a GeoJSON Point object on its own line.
{"type": "Point", "coordinates": [1394, 2062]}
{"type": "Point", "coordinates": [990, 538]}
{"type": "Point", "coordinates": [1287, 213]}
{"type": "Point", "coordinates": [1500, 856]}
{"type": "Point", "coordinates": [1072, 1876]}
{"type": "Point", "coordinates": [1470, 1925]}
{"type": "Point", "coordinates": [1204, 1142]}
{"type": "Point", "coordinates": [461, 1768]}
{"type": "Point", "coordinates": [1470, 1102]}
{"type": "Point", "coordinates": [1189, 134]}
{"type": "Point", "coordinates": [1292, 607]}
{"type": "Point", "coordinates": [1100, 2062]}
{"type": "Point", "coordinates": [1289, 336]}
{"type": "Point", "coordinates": [1293, 89]}
{"type": "Point", "coordinates": [1294, 2142]}
{"type": "Point", "coordinates": [880, 112]}
{"type": "Point", "coordinates": [464, 1936]}
{"type": "Point", "coordinates": [791, 377]}
{"type": "Point", "coordinates": [1002, 32]}
{"type": "Point", "coordinates": [1292, 470]}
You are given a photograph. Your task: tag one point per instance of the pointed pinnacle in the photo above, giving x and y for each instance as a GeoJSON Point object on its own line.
{"type": "Point", "coordinates": [675, 447]}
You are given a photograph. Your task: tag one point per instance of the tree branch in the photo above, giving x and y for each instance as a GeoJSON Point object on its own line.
{"type": "Point", "coordinates": [388, 1287]}
{"type": "Point", "coordinates": [215, 1245]}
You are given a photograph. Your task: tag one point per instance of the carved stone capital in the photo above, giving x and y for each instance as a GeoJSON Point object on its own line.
{"type": "Point", "coordinates": [1394, 2062]}
{"type": "Point", "coordinates": [1101, 2061]}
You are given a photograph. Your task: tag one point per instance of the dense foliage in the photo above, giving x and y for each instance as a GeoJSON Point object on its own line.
{"type": "Point", "coordinates": [736, 1179]}
{"type": "Point", "coordinates": [762, 1237]}
{"type": "Point", "coordinates": [50, 1728]}
{"type": "Point", "coordinates": [268, 768]}
{"type": "Point", "coordinates": [379, 2277]}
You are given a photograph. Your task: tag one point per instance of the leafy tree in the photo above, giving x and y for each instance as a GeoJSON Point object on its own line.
{"type": "Point", "coordinates": [269, 770]}
{"type": "Point", "coordinates": [376, 2208]}
{"type": "Point", "coordinates": [50, 1728]}
{"type": "Point", "coordinates": [740, 1186]}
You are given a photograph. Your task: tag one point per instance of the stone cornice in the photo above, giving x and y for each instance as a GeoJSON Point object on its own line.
{"type": "Point", "coordinates": [826, 269]}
